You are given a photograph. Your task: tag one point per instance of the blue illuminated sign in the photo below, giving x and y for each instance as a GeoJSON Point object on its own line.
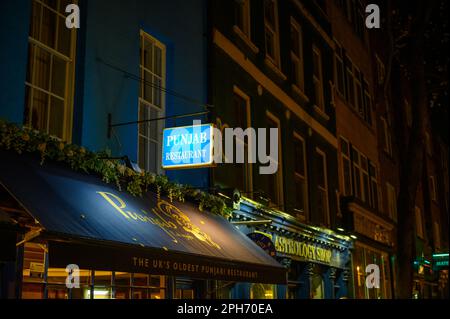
{"type": "Point", "coordinates": [187, 146]}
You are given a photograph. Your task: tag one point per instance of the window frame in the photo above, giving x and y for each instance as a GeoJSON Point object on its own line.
{"type": "Point", "coordinates": [279, 173]}
{"type": "Point", "coordinates": [304, 177]}
{"type": "Point", "coordinates": [321, 105]}
{"type": "Point", "coordinates": [69, 79]}
{"type": "Point", "coordinates": [346, 157]}
{"type": "Point", "coordinates": [338, 55]}
{"type": "Point", "coordinates": [275, 33]}
{"type": "Point", "coordinates": [325, 188]}
{"type": "Point", "coordinates": [161, 110]}
{"type": "Point", "coordinates": [246, 30]}
{"type": "Point", "coordinates": [391, 201]}
{"type": "Point", "coordinates": [298, 59]}
{"type": "Point", "coordinates": [249, 167]}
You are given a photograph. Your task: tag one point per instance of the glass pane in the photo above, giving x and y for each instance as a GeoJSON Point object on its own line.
{"type": "Point", "coordinates": [239, 14]}
{"type": "Point", "coordinates": [57, 275]}
{"type": "Point", "coordinates": [139, 293]}
{"type": "Point", "coordinates": [299, 157]}
{"type": "Point", "coordinates": [39, 110]}
{"type": "Point", "coordinates": [142, 152]}
{"type": "Point", "coordinates": [122, 279]}
{"type": "Point", "coordinates": [27, 113]}
{"type": "Point", "coordinates": [64, 37]}
{"type": "Point", "coordinates": [142, 126]}
{"type": "Point", "coordinates": [123, 293]}
{"type": "Point", "coordinates": [51, 3]}
{"type": "Point", "coordinates": [157, 91]}
{"type": "Point", "coordinates": [56, 123]}
{"type": "Point", "coordinates": [154, 156]}
{"type": "Point", "coordinates": [153, 126]}
{"type": "Point", "coordinates": [35, 20]}
{"type": "Point", "coordinates": [140, 280]}
{"type": "Point", "coordinates": [58, 76]}
{"type": "Point", "coordinates": [300, 187]}
{"type": "Point", "coordinates": [262, 291]}
{"type": "Point", "coordinates": [148, 55]}
{"type": "Point", "coordinates": [344, 147]}
{"type": "Point", "coordinates": [57, 292]}
{"type": "Point", "coordinates": [48, 28]}
{"type": "Point", "coordinates": [102, 278]}
{"type": "Point", "coordinates": [148, 80]}
{"type": "Point", "coordinates": [270, 50]}
{"type": "Point", "coordinates": [42, 69]}
{"type": "Point", "coordinates": [316, 64]}
{"type": "Point", "coordinates": [99, 293]}
{"type": "Point", "coordinates": [269, 13]}
{"type": "Point", "coordinates": [320, 170]}
{"type": "Point", "coordinates": [158, 61]}
{"type": "Point", "coordinates": [295, 41]}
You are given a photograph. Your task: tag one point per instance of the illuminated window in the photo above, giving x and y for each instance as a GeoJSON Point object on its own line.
{"type": "Point", "coordinates": [301, 185]}
{"type": "Point", "coordinates": [50, 71]}
{"type": "Point", "coordinates": [263, 291]}
{"type": "Point", "coordinates": [297, 54]}
{"type": "Point", "coordinates": [271, 31]}
{"type": "Point", "coordinates": [151, 102]}
{"type": "Point", "coordinates": [318, 78]}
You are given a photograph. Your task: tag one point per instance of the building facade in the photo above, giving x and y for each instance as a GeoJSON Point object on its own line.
{"type": "Point", "coordinates": [272, 67]}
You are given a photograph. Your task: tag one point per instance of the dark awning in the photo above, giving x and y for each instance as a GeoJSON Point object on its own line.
{"type": "Point", "coordinates": [114, 230]}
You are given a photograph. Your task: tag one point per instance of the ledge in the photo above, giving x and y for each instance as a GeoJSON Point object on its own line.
{"type": "Point", "coordinates": [275, 68]}
{"type": "Point", "coordinates": [299, 92]}
{"type": "Point", "coordinates": [321, 113]}
{"type": "Point", "coordinates": [246, 39]}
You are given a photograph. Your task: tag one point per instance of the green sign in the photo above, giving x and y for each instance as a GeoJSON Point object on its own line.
{"type": "Point", "coordinates": [440, 261]}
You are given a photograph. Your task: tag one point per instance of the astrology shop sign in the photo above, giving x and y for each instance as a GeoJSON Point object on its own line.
{"type": "Point", "coordinates": [187, 146]}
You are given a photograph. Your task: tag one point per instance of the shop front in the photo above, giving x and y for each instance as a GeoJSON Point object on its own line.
{"type": "Point", "coordinates": [374, 245]}
{"type": "Point", "coordinates": [78, 237]}
{"type": "Point", "coordinates": [317, 260]}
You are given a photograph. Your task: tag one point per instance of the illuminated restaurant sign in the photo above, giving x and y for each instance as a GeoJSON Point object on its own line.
{"type": "Point", "coordinates": [307, 251]}
{"type": "Point", "coordinates": [187, 146]}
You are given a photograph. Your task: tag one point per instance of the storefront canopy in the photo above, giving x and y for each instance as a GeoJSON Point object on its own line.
{"type": "Point", "coordinates": [105, 228]}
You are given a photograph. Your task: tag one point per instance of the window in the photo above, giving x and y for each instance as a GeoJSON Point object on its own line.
{"type": "Point", "coordinates": [387, 139]}
{"type": "Point", "coordinates": [243, 171]}
{"type": "Point", "coordinates": [433, 188]}
{"type": "Point", "coordinates": [322, 187]}
{"type": "Point", "coordinates": [151, 102]}
{"type": "Point", "coordinates": [275, 186]}
{"type": "Point", "coordinates": [391, 201]}
{"type": "Point", "coordinates": [242, 16]}
{"type": "Point", "coordinates": [381, 72]}
{"type": "Point", "coordinates": [339, 74]}
{"type": "Point", "coordinates": [419, 226]}
{"type": "Point", "coordinates": [350, 84]}
{"type": "Point", "coordinates": [365, 179]}
{"type": "Point", "coordinates": [346, 167]}
{"type": "Point", "coordinates": [271, 31]}
{"type": "Point", "coordinates": [358, 92]}
{"type": "Point", "coordinates": [317, 78]}
{"type": "Point", "coordinates": [301, 185]}
{"type": "Point", "coordinates": [367, 112]}
{"type": "Point", "coordinates": [408, 114]}
{"type": "Point", "coordinates": [356, 174]}
{"type": "Point", "coordinates": [297, 54]}
{"type": "Point", "coordinates": [50, 70]}
{"type": "Point", "coordinates": [374, 191]}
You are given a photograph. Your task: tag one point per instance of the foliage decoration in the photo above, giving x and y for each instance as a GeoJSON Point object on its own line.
{"type": "Point", "coordinates": [25, 140]}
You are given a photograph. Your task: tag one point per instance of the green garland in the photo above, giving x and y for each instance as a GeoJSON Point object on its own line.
{"type": "Point", "coordinates": [25, 140]}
